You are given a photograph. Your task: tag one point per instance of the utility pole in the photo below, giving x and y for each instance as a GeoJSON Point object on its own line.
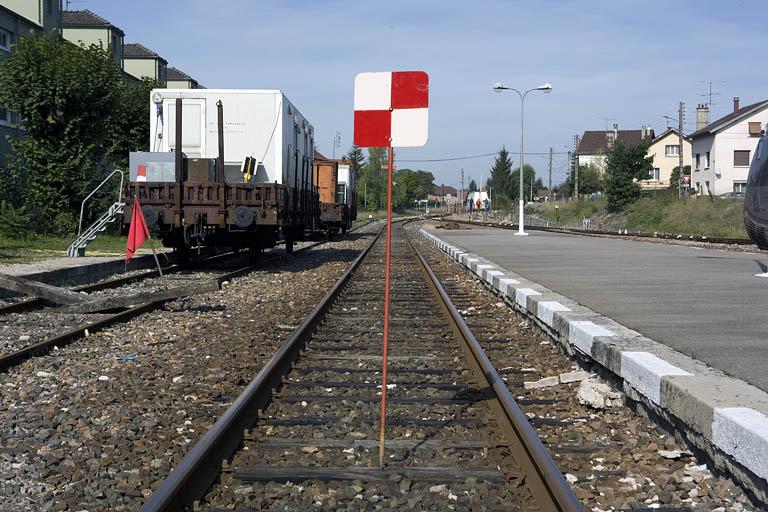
{"type": "Point", "coordinates": [336, 143]}
{"type": "Point", "coordinates": [551, 152]}
{"type": "Point", "coordinates": [462, 199]}
{"type": "Point", "coordinates": [576, 166]}
{"type": "Point", "coordinates": [680, 123]}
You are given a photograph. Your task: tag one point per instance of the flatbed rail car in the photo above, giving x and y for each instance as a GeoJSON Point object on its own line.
{"type": "Point", "coordinates": [243, 176]}
{"type": "Point", "coordinates": [334, 181]}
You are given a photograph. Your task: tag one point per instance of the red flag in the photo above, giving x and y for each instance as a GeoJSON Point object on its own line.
{"type": "Point", "coordinates": [138, 231]}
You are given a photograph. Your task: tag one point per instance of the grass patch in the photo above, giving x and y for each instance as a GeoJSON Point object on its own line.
{"type": "Point", "coordinates": [36, 247]}
{"type": "Point", "coordinates": [661, 211]}
{"type": "Point", "coordinates": [693, 216]}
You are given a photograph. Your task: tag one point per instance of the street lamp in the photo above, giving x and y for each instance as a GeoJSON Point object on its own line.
{"type": "Point", "coordinates": [547, 87]}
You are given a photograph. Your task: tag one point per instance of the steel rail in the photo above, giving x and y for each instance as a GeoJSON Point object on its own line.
{"type": "Point", "coordinates": [35, 302]}
{"type": "Point", "coordinates": [543, 477]}
{"type": "Point", "coordinates": [15, 358]}
{"type": "Point", "coordinates": [190, 480]}
{"type": "Point", "coordinates": [596, 232]}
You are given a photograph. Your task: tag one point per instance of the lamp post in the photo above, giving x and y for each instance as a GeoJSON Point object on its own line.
{"type": "Point", "coordinates": [547, 87]}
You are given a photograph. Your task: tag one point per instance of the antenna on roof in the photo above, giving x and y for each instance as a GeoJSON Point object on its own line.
{"type": "Point", "coordinates": [68, 2]}
{"type": "Point", "coordinates": [710, 92]}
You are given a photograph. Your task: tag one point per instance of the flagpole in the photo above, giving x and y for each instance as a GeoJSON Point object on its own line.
{"type": "Point", "coordinates": [157, 261]}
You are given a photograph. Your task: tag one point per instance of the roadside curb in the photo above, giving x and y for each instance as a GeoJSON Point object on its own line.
{"type": "Point", "coordinates": [722, 416]}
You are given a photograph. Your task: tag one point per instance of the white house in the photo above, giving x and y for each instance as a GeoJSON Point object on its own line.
{"type": "Point", "coordinates": [722, 150]}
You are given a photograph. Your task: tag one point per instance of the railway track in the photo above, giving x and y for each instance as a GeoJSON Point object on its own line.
{"type": "Point", "coordinates": [614, 458]}
{"type": "Point", "coordinates": [624, 233]}
{"type": "Point", "coordinates": [456, 438]}
{"type": "Point", "coordinates": [54, 327]}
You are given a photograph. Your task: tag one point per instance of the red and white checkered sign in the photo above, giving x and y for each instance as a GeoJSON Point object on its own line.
{"type": "Point", "coordinates": [391, 109]}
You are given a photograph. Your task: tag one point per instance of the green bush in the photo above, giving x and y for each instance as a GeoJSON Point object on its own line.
{"type": "Point", "coordinates": [14, 222]}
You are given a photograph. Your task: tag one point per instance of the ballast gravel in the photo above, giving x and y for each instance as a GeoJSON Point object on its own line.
{"type": "Point", "coordinates": [99, 424]}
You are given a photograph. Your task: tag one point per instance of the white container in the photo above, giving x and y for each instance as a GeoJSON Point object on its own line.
{"type": "Point", "coordinates": [346, 179]}
{"type": "Point", "coordinates": [262, 124]}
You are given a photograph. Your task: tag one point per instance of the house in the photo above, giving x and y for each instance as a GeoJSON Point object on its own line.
{"type": "Point", "coordinates": [177, 79]}
{"type": "Point", "coordinates": [722, 150]}
{"type": "Point", "coordinates": [665, 152]}
{"type": "Point", "coordinates": [18, 19]}
{"type": "Point", "coordinates": [141, 62]}
{"type": "Point", "coordinates": [86, 28]}
{"type": "Point", "coordinates": [444, 194]}
{"type": "Point", "coordinates": [594, 145]}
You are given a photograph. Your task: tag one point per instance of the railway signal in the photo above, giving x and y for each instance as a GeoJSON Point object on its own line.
{"type": "Point", "coordinates": [391, 110]}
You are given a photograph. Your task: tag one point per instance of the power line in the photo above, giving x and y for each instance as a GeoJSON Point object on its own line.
{"type": "Point", "coordinates": [476, 156]}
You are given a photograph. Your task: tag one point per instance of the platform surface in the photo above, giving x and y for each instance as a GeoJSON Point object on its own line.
{"type": "Point", "coordinates": [705, 303]}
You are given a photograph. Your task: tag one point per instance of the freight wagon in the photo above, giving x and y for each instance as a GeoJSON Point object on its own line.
{"type": "Point", "coordinates": [225, 168]}
{"type": "Point", "coordinates": [335, 184]}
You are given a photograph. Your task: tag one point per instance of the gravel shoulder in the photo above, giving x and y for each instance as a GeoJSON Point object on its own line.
{"type": "Point", "coordinates": [99, 424]}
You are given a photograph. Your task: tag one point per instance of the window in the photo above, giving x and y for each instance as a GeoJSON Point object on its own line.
{"type": "Point", "coordinates": [698, 187]}
{"type": "Point", "coordinates": [698, 161]}
{"type": "Point", "coordinates": [5, 40]}
{"type": "Point", "coordinates": [5, 117]}
{"type": "Point", "coordinates": [654, 173]}
{"type": "Point", "coordinates": [739, 187]}
{"type": "Point", "coordinates": [706, 187]}
{"type": "Point", "coordinates": [341, 194]}
{"type": "Point", "coordinates": [706, 160]}
{"type": "Point", "coordinates": [672, 150]}
{"type": "Point", "coordinates": [741, 158]}
{"type": "Point", "coordinates": [755, 129]}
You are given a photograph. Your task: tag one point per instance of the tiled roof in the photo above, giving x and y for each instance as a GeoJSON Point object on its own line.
{"type": "Point", "coordinates": [593, 142]}
{"type": "Point", "coordinates": [177, 74]}
{"type": "Point", "coordinates": [85, 17]}
{"type": "Point", "coordinates": [733, 116]}
{"type": "Point", "coordinates": [139, 51]}
{"type": "Point", "coordinates": [445, 190]}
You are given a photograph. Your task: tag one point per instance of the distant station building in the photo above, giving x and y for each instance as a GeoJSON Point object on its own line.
{"type": "Point", "coordinates": [722, 150]}
{"type": "Point", "coordinates": [86, 28]}
{"type": "Point", "coordinates": [141, 62]}
{"type": "Point", "coordinates": [444, 194]}
{"type": "Point", "coordinates": [177, 79]}
{"type": "Point", "coordinates": [19, 19]}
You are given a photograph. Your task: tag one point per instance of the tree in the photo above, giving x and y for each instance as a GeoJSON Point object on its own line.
{"type": "Point", "coordinates": [674, 179]}
{"type": "Point", "coordinates": [590, 181]}
{"type": "Point", "coordinates": [500, 182]}
{"type": "Point", "coordinates": [130, 129]}
{"type": "Point", "coordinates": [374, 182]}
{"type": "Point", "coordinates": [472, 186]}
{"type": "Point", "coordinates": [357, 159]}
{"type": "Point", "coordinates": [624, 166]}
{"type": "Point", "coordinates": [529, 176]}
{"type": "Point", "coordinates": [79, 119]}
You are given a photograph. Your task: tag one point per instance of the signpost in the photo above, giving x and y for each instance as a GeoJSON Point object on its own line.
{"type": "Point", "coordinates": [391, 110]}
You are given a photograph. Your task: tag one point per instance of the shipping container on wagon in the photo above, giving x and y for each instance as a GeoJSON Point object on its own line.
{"type": "Point", "coordinates": [334, 182]}
{"type": "Point", "coordinates": [241, 176]}
{"type": "Point", "coordinates": [346, 188]}
{"type": "Point", "coordinates": [259, 123]}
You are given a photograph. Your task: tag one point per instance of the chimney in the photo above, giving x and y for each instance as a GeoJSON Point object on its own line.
{"type": "Point", "coordinates": [702, 116]}
{"type": "Point", "coordinates": [643, 132]}
{"type": "Point", "coordinates": [735, 103]}
{"type": "Point", "coordinates": [615, 131]}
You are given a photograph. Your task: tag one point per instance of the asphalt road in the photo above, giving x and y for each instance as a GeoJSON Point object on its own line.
{"type": "Point", "coordinates": [705, 303]}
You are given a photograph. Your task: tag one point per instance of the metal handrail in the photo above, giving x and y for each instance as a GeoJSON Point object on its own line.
{"type": "Point", "coordinates": [119, 197]}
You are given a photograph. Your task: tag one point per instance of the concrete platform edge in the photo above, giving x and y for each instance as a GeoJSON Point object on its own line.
{"type": "Point", "coordinates": [729, 415]}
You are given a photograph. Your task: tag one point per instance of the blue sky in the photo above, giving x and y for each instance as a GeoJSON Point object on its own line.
{"type": "Point", "coordinates": [627, 62]}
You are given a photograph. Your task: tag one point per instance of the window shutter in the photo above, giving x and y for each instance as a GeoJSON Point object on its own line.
{"type": "Point", "coordinates": [741, 158]}
{"type": "Point", "coordinates": [755, 128]}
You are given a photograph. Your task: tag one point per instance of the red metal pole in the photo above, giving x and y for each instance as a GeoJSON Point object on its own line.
{"type": "Point", "coordinates": [385, 346]}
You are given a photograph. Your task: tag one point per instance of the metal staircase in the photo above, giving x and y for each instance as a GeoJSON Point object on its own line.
{"type": "Point", "coordinates": [77, 248]}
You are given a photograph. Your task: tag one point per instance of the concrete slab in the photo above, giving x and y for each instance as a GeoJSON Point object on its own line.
{"type": "Point", "coordinates": [723, 415]}
{"type": "Point", "coordinates": [705, 303]}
